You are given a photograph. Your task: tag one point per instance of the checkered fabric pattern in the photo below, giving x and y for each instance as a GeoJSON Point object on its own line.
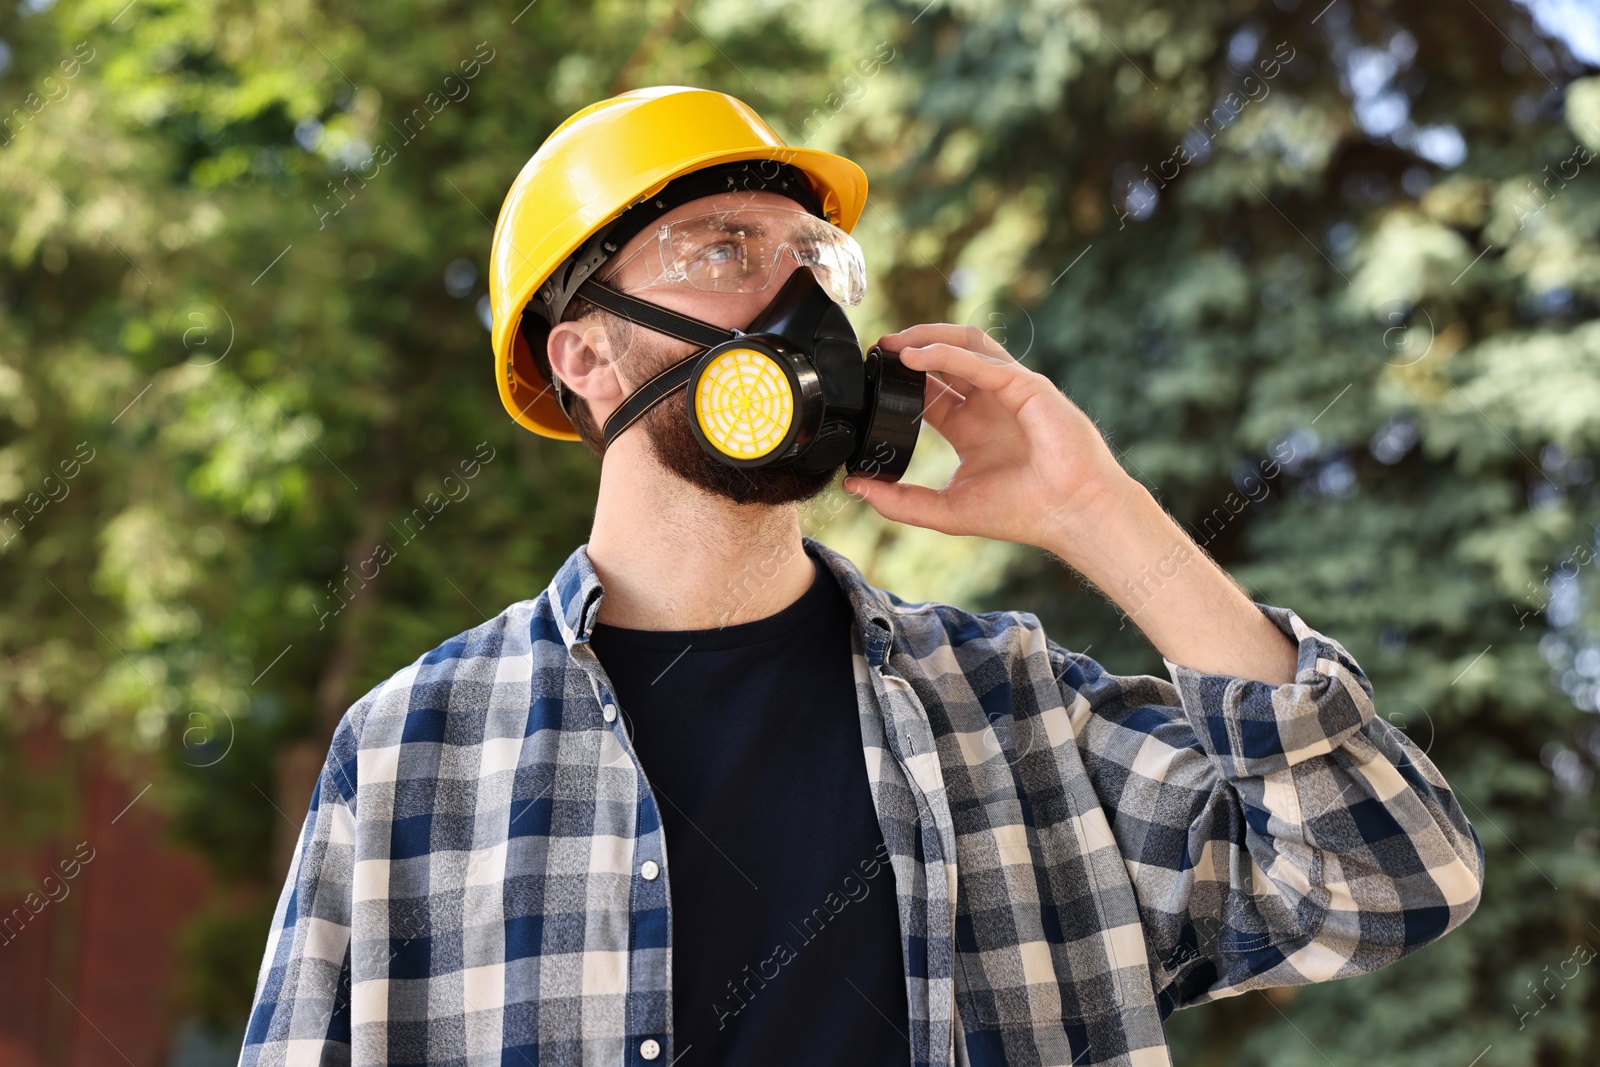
{"type": "Point", "coordinates": [1076, 854]}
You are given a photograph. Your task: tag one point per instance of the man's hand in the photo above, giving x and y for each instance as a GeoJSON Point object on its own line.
{"type": "Point", "coordinates": [1034, 469]}
{"type": "Point", "coordinates": [1030, 459]}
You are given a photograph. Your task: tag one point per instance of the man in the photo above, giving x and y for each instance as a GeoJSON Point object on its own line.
{"type": "Point", "coordinates": [711, 798]}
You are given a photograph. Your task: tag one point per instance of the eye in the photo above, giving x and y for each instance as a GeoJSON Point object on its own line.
{"type": "Point", "coordinates": [718, 252]}
{"type": "Point", "coordinates": [719, 259]}
{"type": "Point", "coordinates": [814, 253]}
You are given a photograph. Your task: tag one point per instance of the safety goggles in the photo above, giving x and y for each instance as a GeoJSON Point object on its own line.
{"type": "Point", "coordinates": [739, 251]}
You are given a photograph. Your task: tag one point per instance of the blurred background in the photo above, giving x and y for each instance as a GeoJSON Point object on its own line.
{"type": "Point", "coordinates": [1355, 245]}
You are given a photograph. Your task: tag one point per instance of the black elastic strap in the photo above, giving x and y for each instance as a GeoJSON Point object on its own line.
{"type": "Point", "coordinates": [649, 395]}
{"type": "Point", "coordinates": [660, 319]}
{"type": "Point", "coordinates": [654, 316]}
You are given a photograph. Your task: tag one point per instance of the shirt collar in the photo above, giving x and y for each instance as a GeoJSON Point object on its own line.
{"type": "Point", "coordinates": [576, 592]}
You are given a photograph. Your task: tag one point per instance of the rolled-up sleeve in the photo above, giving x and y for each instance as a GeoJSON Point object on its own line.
{"type": "Point", "coordinates": [301, 1011]}
{"type": "Point", "coordinates": [1276, 835]}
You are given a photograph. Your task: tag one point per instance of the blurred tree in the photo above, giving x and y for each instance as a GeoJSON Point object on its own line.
{"type": "Point", "coordinates": [252, 462]}
{"type": "Point", "coordinates": [1326, 275]}
{"type": "Point", "coordinates": [251, 457]}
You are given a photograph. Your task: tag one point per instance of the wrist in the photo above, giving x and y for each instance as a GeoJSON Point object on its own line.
{"type": "Point", "coordinates": [1099, 519]}
{"type": "Point", "coordinates": [1129, 548]}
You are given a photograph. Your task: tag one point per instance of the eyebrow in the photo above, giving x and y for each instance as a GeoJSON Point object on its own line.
{"type": "Point", "coordinates": [728, 225]}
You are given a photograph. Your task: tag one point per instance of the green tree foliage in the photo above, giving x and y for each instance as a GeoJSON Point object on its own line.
{"type": "Point", "coordinates": [252, 461]}
{"type": "Point", "coordinates": [1352, 247]}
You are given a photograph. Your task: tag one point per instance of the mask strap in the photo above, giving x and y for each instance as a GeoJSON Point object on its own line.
{"type": "Point", "coordinates": [661, 320]}
{"type": "Point", "coordinates": [654, 316]}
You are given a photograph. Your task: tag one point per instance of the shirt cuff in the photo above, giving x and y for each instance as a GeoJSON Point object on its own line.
{"type": "Point", "coordinates": [1253, 728]}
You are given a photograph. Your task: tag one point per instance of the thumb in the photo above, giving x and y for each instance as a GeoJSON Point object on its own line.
{"type": "Point", "coordinates": [915, 505]}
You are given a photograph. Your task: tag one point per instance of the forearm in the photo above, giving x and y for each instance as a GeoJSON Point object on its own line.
{"type": "Point", "coordinates": [1192, 612]}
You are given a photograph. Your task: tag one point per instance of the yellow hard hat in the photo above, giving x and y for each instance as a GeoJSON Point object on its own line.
{"type": "Point", "coordinates": [596, 165]}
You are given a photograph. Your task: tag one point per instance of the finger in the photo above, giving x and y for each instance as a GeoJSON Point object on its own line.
{"type": "Point", "coordinates": [944, 384]}
{"type": "Point", "coordinates": [928, 333]}
{"type": "Point", "coordinates": [915, 505]}
{"type": "Point", "coordinates": [969, 337]}
{"type": "Point", "coordinates": [938, 399]}
{"type": "Point", "coordinates": [983, 372]}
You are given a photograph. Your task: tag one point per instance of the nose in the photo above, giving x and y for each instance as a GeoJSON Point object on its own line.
{"type": "Point", "coordinates": [786, 263]}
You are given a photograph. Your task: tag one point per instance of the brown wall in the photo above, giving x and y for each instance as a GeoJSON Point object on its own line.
{"type": "Point", "coordinates": [89, 980]}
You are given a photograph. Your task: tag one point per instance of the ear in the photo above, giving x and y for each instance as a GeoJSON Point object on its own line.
{"type": "Point", "coordinates": [582, 357]}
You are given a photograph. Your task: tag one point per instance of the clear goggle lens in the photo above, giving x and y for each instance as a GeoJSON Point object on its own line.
{"type": "Point", "coordinates": [740, 250]}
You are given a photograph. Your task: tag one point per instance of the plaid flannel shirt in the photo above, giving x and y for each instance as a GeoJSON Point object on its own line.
{"type": "Point", "coordinates": [1075, 854]}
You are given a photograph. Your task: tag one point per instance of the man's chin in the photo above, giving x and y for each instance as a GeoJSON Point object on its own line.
{"type": "Point", "coordinates": [676, 448]}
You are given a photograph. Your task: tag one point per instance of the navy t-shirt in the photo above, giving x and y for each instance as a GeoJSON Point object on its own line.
{"type": "Point", "coordinates": [785, 928]}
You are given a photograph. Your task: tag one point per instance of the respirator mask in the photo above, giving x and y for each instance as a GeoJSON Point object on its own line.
{"type": "Point", "coordinates": [789, 391]}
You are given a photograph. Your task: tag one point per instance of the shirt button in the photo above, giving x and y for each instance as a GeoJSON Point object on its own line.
{"type": "Point", "coordinates": [649, 1048]}
{"type": "Point", "coordinates": [610, 712]}
{"type": "Point", "coordinates": [648, 871]}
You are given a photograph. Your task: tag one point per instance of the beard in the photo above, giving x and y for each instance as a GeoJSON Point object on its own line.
{"type": "Point", "coordinates": [675, 447]}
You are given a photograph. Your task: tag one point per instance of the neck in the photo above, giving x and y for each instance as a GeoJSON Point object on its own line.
{"type": "Point", "coordinates": [673, 557]}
